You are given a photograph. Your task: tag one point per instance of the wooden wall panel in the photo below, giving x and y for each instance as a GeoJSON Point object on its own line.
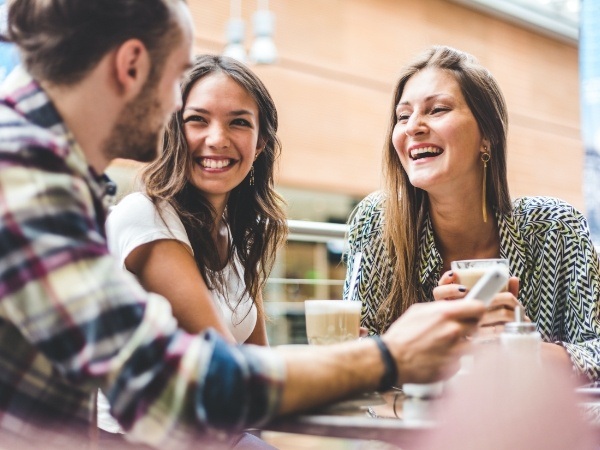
{"type": "Point", "coordinates": [547, 164]}
{"type": "Point", "coordinates": [332, 133]}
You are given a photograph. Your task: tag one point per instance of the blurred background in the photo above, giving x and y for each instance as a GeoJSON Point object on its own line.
{"type": "Point", "coordinates": [331, 65]}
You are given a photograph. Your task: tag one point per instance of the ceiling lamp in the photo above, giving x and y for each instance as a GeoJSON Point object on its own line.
{"type": "Point", "coordinates": [235, 33]}
{"type": "Point", "coordinates": [263, 50]}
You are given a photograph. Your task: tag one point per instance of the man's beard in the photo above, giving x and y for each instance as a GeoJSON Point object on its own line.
{"type": "Point", "coordinates": [135, 134]}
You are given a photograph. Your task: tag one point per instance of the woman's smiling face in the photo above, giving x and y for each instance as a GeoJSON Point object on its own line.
{"type": "Point", "coordinates": [221, 126]}
{"type": "Point", "coordinates": [436, 135]}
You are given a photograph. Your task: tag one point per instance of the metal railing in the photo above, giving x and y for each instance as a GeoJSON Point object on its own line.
{"type": "Point", "coordinates": [302, 230]}
{"type": "Point", "coordinates": [318, 232]}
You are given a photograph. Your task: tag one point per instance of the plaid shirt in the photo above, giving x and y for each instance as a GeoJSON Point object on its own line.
{"type": "Point", "coordinates": [72, 321]}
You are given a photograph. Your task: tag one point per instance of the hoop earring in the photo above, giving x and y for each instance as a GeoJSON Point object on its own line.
{"type": "Point", "coordinates": [485, 157]}
{"type": "Point", "coordinates": [252, 175]}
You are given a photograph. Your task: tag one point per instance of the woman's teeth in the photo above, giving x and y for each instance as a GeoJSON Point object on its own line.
{"type": "Point", "coordinates": [214, 163]}
{"type": "Point", "coordinates": [424, 152]}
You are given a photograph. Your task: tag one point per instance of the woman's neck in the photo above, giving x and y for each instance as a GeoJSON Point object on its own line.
{"type": "Point", "coordinates": [218, 218]}
{"type": "Point", "coordinates": [461, 233]}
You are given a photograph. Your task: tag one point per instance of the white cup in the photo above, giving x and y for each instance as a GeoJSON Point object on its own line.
{"type": "Point", "coordinates": [332, 321]}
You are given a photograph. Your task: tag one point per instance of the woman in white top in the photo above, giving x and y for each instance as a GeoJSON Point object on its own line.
{"type": "Point", "coordinates": [205, 229]}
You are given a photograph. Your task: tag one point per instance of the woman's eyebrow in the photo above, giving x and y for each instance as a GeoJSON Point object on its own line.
{"type": "Point", "coordinates": [241, 112]}
{"type": "Point", "coordinates": [193, 108]}
{"type": "Point", "coordinates": [429, 98]}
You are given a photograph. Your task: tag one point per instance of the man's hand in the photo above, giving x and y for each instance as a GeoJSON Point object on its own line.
{"type": "Point", "coordinates": [429, 338]}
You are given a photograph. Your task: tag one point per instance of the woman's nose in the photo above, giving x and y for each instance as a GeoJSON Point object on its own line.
{"type": "Point", "coordinates": [217, 136]}
{"type": "Point", "coordinates": [415, 124]}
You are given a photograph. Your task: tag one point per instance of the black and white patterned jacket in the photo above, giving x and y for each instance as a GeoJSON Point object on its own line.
{"type": "Point", "coordinates": [548, 245]}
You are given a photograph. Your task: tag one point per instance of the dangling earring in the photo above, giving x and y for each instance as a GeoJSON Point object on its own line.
{"type": "Point", "coordinates": [252, 175]}
{"type": "Point", "coordinates": [485, 157]}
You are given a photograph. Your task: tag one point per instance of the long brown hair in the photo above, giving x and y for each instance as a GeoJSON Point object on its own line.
{"type": "Point", "coordinates": [254, 213]}
{"type": "Point", "coordinates": [406, 207]}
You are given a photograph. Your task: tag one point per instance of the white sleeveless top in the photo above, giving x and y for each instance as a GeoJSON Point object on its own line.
{"type": "Point", "coordinates": [135, 221]}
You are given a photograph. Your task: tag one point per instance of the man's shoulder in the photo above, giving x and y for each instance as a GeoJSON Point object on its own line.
{"type": "Point", "coordinates": [27, 120]}
{"type": "Point", "coordinates": [22, 141]}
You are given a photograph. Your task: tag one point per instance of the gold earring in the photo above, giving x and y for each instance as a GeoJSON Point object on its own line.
{"type": "Point", "coordinates": [485, 157]}
{"type": "Point", "coordinates": [252, 175]}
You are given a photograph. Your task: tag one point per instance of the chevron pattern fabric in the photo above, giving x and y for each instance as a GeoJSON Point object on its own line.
{"type": "Point", "coordinates": [548, 245]}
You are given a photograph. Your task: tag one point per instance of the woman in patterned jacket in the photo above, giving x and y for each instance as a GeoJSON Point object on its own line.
{"type": "Point", "coordinates": [446, 198]}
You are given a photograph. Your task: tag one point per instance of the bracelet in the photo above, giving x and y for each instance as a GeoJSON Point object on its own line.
{"type": "Point", "coordinates": [390, 374]}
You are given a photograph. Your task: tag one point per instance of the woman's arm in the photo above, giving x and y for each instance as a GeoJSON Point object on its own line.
{"type": "Point", "coordinates": [566, 298]}
{"type": "Point", "coordinates": [167, 267]}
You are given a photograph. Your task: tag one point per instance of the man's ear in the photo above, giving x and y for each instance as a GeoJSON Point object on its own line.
{"type": "Point", "coordinates": [132, 67]}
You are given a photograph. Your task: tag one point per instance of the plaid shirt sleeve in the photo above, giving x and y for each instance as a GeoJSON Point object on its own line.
{"type": "Point", "coordinates": [77, 320]}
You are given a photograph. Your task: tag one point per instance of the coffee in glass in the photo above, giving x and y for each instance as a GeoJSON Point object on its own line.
{"type": "Point", "coordinates": [332, 321]}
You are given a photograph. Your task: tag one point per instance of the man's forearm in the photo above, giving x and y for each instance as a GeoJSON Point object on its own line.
{"type": "Point", "coordinates": [316, 375]}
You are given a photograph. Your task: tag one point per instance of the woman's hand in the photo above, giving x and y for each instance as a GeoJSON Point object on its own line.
{"type": "Point", "coordinates": [500, 310]}
{"type": "Point", "coordinates": [448, 288]}
{"type": "Point", "coordinates": [502, 307]}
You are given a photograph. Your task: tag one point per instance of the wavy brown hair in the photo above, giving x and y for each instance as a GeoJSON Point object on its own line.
{"type": "Point", "coordinates": [407, 207]}
{"type": "Point", "coordinates": [254, 213]}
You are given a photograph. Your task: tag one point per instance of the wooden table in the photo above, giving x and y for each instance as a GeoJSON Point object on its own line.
{"type": "Point", "coordinates": [590, 402]}
{"type": "Point", "coordinates": [353, 419]}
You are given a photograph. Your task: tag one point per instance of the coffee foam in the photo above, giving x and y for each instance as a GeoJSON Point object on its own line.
{"type": "Point", "coordinates": [331, 306]}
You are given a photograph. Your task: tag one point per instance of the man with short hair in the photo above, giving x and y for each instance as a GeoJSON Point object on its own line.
{"type": "Point", "coordinates": [101, 78]}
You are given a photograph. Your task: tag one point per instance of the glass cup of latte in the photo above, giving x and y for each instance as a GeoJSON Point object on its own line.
{"type": "Point", "coordinates": [332, 321]}
{"type": "Point", "coordinates": [469, 271]}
